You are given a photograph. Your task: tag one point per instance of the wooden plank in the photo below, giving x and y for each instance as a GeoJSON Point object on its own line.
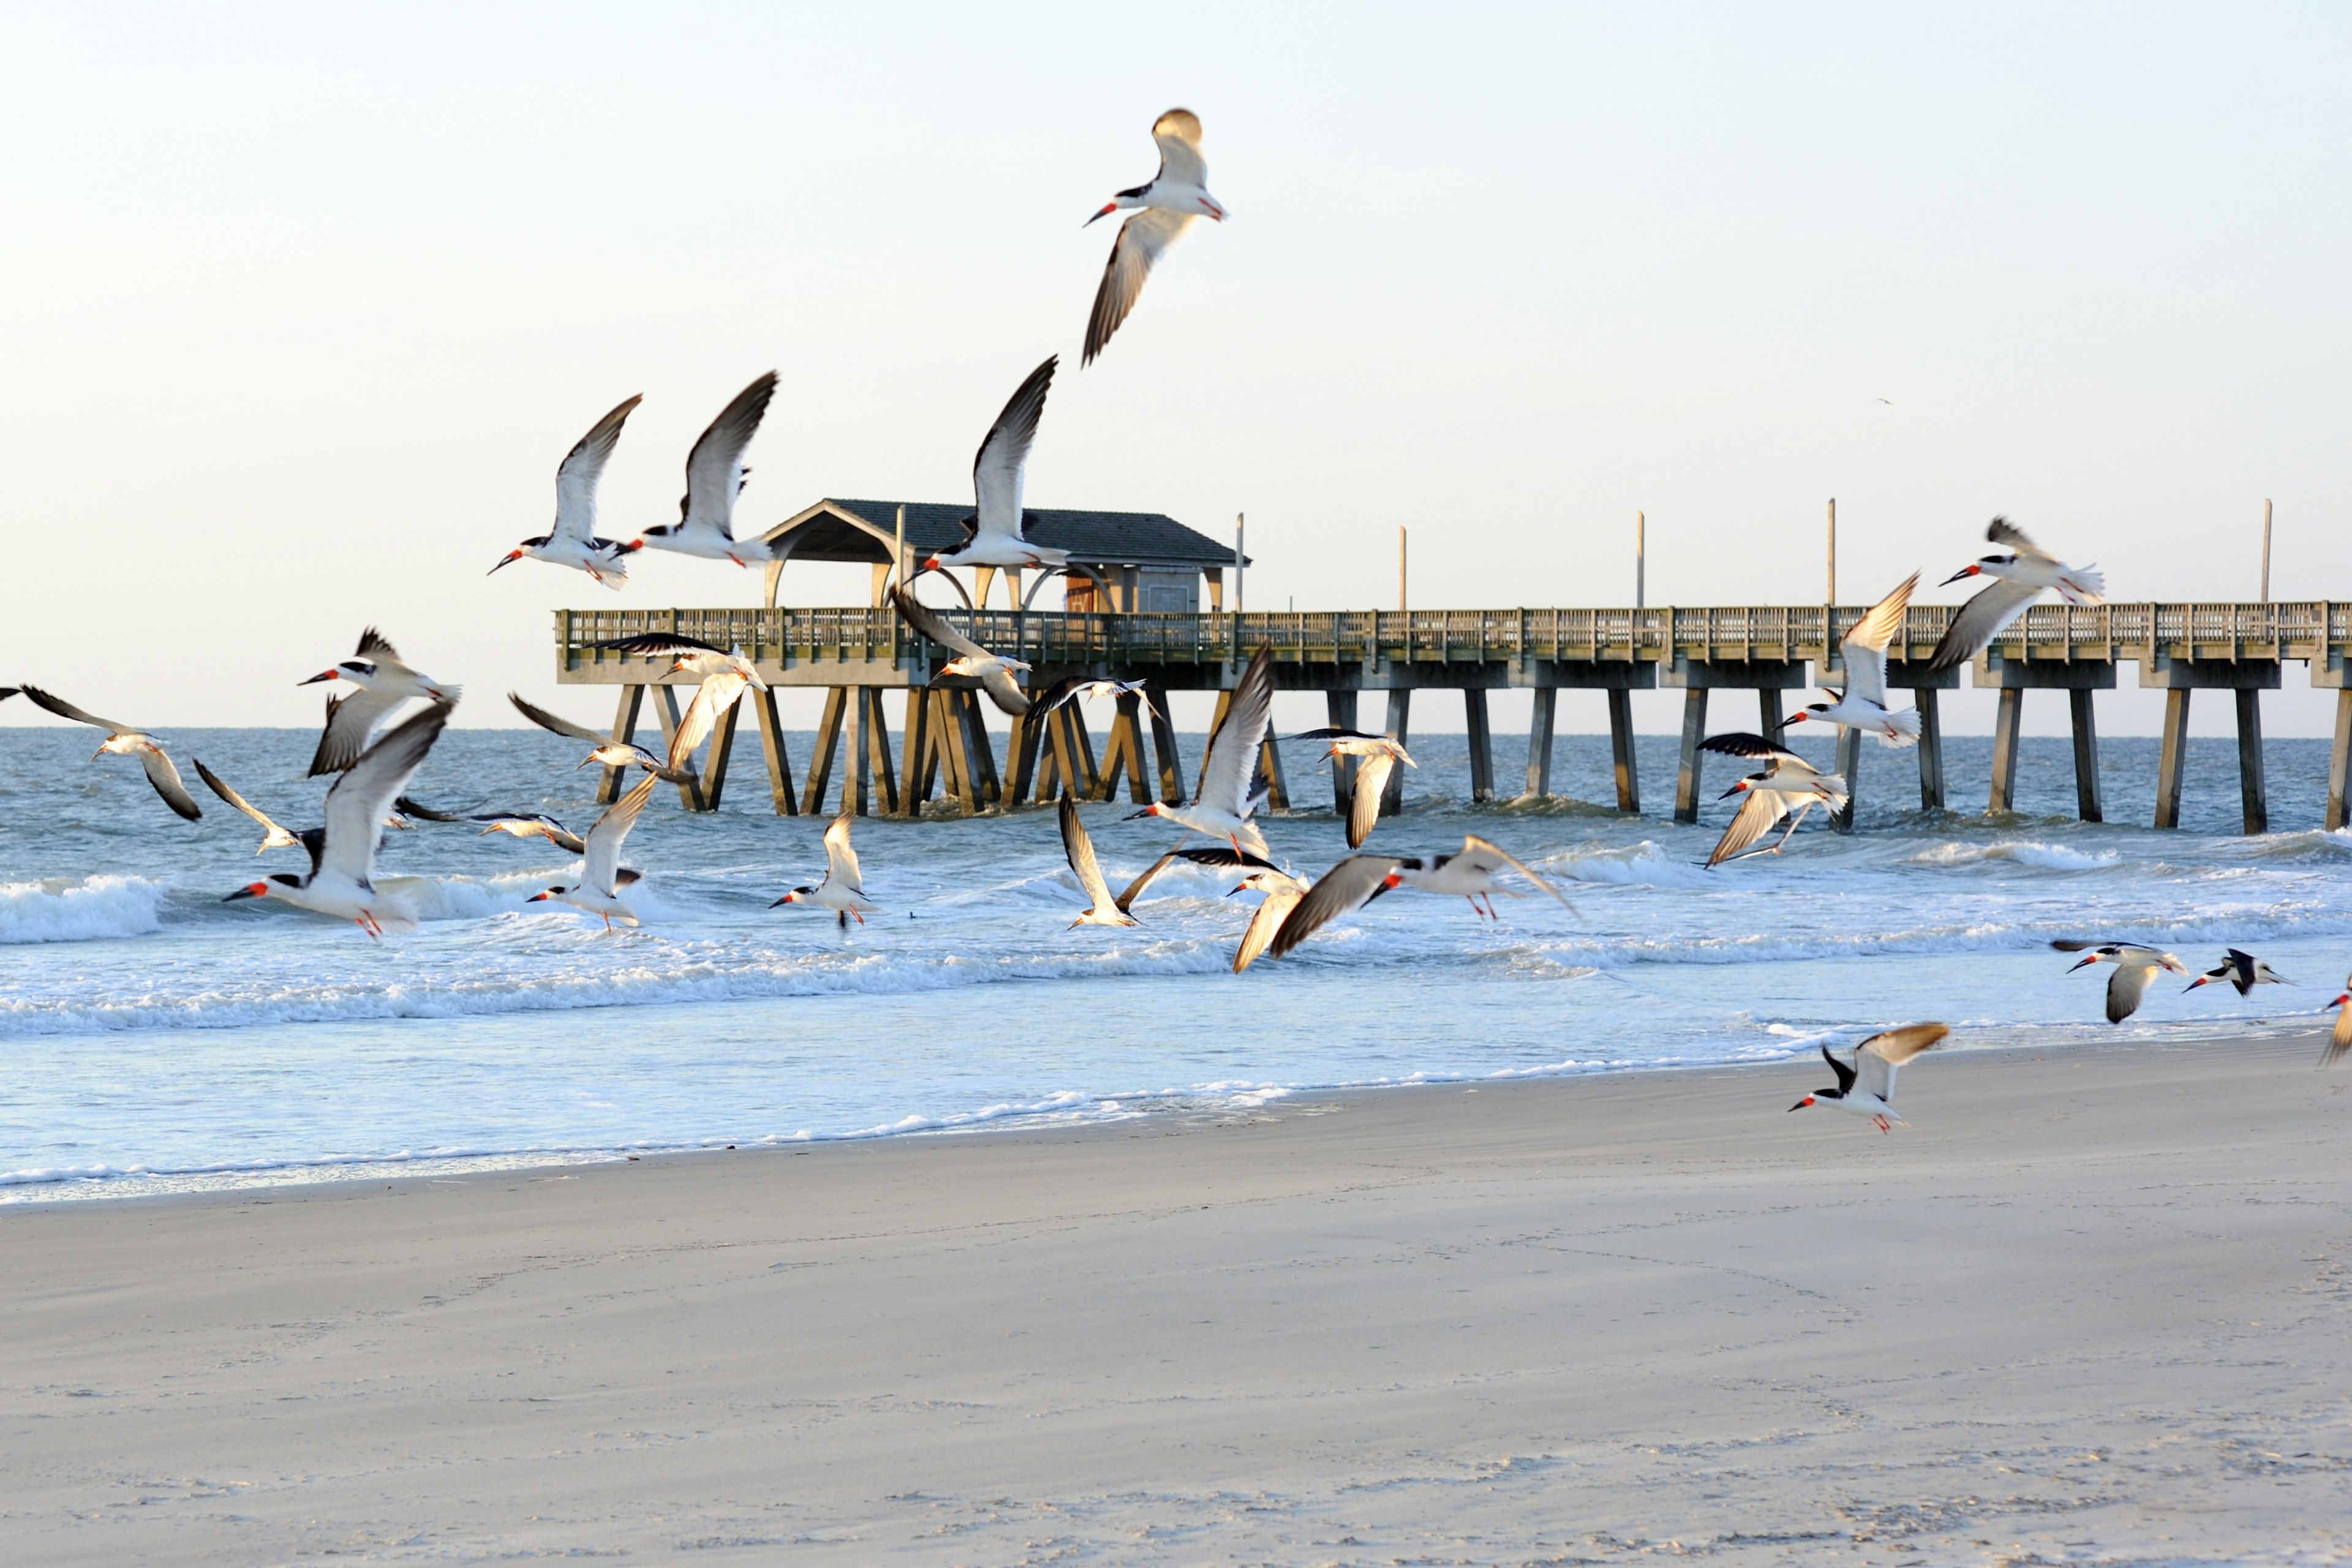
{"type": "Point", "coordinates": [1621, 751]}
{"type": "Point", "coordinates": [722, 751]}
{"type": "Point", "coordinates": [625, 730]}
{"type": "Point", "coordinates": [1482, 750]}
{"type": "Point", "coordinates": [689, 786]}
{"type": "Point", "coordinates": [2086, 754]}
{"type": "Point", "coordinates": [2007, 717]}
{"type": "Point", "coordinates": [2172, 757]}
{"type": "Point", "coordinates": [2253, 801]}
{"type": "Point", "coordinates": [828, 738]}
{"type": "Point", "coordinates": [773, 752]}
{"type": "Point", "coordinates": [1539, 730]}
{"type": "Point", "coordinates": [1686, 775]}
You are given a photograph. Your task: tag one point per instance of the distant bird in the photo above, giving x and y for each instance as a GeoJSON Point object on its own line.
{"type": "Point", "coordinates": [384, 683]}
{"type": "Point", "coordinates": [603, 877]}
{"type": "Point", "coordinates": [126, 741]}
{"type": "Point", "coordinates": [2243, 970]}
{"type": "Point", "coordinates": [1359, 879]}
{"type": "Point", "coordinates": [1875, 1062]}
{"type": "Point", "coordinates": [844, 889]}
{"type": "Point", "coordinates": [994, 671]}
{"type": "Point", "coordinates": [1228, 795]}
{"type": "Point", "coordinates": [273, 836]}
{"type": "Point", "coordinates": [714, 476]}
{"type": "Point", "coordinates": [1173, 198]}
{"type": "Point", "coordinates": [2340, 1041]}
{"type": "Point", "coordinates": [341, 881]}
{"type": "Point", "coordinates": [1862, 704]}
{"type": "Point", "coordinates": [610, 752]}
{"type": "Point", "coordinates": [1377, 757]}
{"type": "Point", "coordinates": [1282, 892]}
{"type": "Point", "coordinates": [997, 533]}
{"type": "Point", "coordinates": [573, 541]}
{"type": "Point", "coordinates": [690, 656]}
{"type": "Point", "coordinates": [1789, 787]}
{"type": "Point", "coordinates": [1069, 690]}
{"type": "Point", "coordinates": [1079, 850]}
{"type": "Point", "coordinates": [1221, 855]}
{"type": "Point", "coordinates": [2021, 574]}
{"type": "Point", "coordinates": [2135, 967]}
{"type": "Point", "coordinates": [532, 825]}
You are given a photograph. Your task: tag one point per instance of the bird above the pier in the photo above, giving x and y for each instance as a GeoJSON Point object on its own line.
{"type": "Point", "coordinates": [1281, 892]}
{"type": "Point", "coordinates": [273, 836]}
{"type": "Point", "coordinates": [341, 881]}
{"type": "Point", "coordinates": [1867, 1088]}
{"type": "Point", "coordinates": [714, 478]}
{"type": "Point", "coordinates": [532, 825]}
{"type": "Point", "coordinates": [2243, 970]}
{"type": "Point", "coordinates": [126, 741]}
{"type": "Point", "coordinates": [383, 683]}
{"type": "Point", "coordinates": [1219, 856]}
{"type": "Point", "coordinates": [844, 889]}
{"type": "Point", "coordinates": [994, 671]}
{"type": "Point", "coordinates": [1377, 757]}
{"type": "Point", "coordinates": [1101, 909]}
{"type": "Point", "coordinates": [1862, 704]}
{"type": "Point", "coordinates": [690, 656]}
{"type": "Point", "coordinates": [997, 533]}
{"type": "Point", "coordinates": [603, 877]}
{"type": "Point", "coordinates": [573, 541]}
{"type": "Point", "coordinates": [1789, 786]}
{"type": "Point", "coordinates": [1228, 795]}
{"type": "Point", "coordinates": [1471, 873]}
{"type": "Point", "coordinates": [2019, 574]}
{"type": "Point", "coordinates": [603, 749]}
{"type": "Point", "coordinates": [2135, 967]}
{"type": "Point", "coordinates": [1171, 201]}
{"type": "Point", "coordinates": [2339, 1040]}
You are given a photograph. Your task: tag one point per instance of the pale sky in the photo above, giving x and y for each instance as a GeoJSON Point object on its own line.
{"type": "Point", "coordinates": [300, 309]}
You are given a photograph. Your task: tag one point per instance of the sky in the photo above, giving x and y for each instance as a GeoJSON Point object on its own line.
{"type": "Point", "coordinates": [301, 307]}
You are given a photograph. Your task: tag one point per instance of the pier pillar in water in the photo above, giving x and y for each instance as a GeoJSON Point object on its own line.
{"type": "Point", "coordinates": [1400, 712]}
{"type": "Point", "coordinates": [1339, 713]}
{"type": "Point", "coordinates": [1539, 723]}
{"type": "Point", "coordinates": [2087, 804]}
{"type": "Point", "coordinates": [1482, 751]}
{"type": "Point", "coordinates": [2246, 677]}
{"type": "Point", "coordinates": [1621, 750]}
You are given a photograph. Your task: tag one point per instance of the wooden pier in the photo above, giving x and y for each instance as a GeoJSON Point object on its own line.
{"type": "Point", "coordinates": [861, 655]}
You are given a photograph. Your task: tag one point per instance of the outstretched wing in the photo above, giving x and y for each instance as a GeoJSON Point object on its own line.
{"type": "Point", "coordinates": [926, 622]}
{"type": "Point", "coordinates": [65, 709]}
{"type": "Point", "coordinates": [1142, 240]}
{"type": "Point", "coordinates": [1343, 889]}
{"type": "Point", "coordinates": [996, 468]}
{"type": "Point", "coordinates": [1864, 647]}
{"type": "Point", "coordinates": [840, 859]}
{"type": "Point", "coordinates": [555, 722]}
{"type": "Point", "coordinates": [714, 469]}
{"type": "Point", "coordinates": [1878, 1058]}
{"type": "Point", "coordinates": [576, 478]}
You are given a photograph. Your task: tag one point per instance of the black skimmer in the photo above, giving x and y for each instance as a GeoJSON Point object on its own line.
{"type": "Point", "coordinates": [1789, 787]}
{"type": "Point", "coordinates": [573, 541]}
{"type": "Point", "coordinates": [690, 656]}
{"type": "Point", "coordinates": [997, 533]}
{"type": "Point", "coordinates": [2135, 967]}
{"type": "Point", "coordinates": [273, 836]}
{"type": "Point", "coordinates": [1220, 856]}
{"type": "Point", "coordinates": [124, 741]}
{"type": "Point", "coordinates": [1173, 198]}
{"type": "Point", "coordinates": [604, 749]}
{"type": "Point", "coordinates": [384, 683]}
{"type": "Point", "coordinates": [2243, 970]}
{"type": "Point", "coordinates": [603, 877]}
{"type": "Point", "coordinates": [1875, 1062]}
{"type": "Point", "coordinates": [2339, 1040]}
{"type": "Point", "coordinates": [1281, 892]}
{"type": "Point", "coordinates": [714, 476]}
{"type": "Point", "coordinates": [994, 671]}
{"type": "Point", "coordinates": [844, 889]}
{"type": "Point", "coordinates": [1228, 795]}
{"type": "Point", "coordinates": [1376, 758]}
{"type": "Point", "coordinates": [2019, 576]}
{"type": "Point", "coordinates": [1471, 873]}
{"type": "Point", "coordinates": [532, 825]}
{"type": "Point", "coordinates": [1862, 704]}
{"type": "Point", "coordinates": [341, 881]}
{"type": "Point", "coordinates": [1101, 909]}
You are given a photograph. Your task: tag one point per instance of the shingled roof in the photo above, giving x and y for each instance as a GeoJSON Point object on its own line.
{"type": "Point", "coordinates": [862, 530]}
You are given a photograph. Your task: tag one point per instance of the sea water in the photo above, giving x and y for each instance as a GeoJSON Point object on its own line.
{"type": "Point", "coordinates": [154, 1038]}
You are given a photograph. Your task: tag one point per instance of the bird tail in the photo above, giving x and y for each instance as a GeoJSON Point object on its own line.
{"type": "Point", "coordinates": [1904, 727]}
{"type": "Point", "coordinates": [2083, 585]}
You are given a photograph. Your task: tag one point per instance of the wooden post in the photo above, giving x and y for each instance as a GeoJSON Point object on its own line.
{"type": "Point", "coordinates": [915, 766]}
{"type": "Point", "coordinates": [2087, 804]}
{"type": "Point", "coordinates": [723, 750]}
{"type": "Point", "coordinates": [2339, 761]}
{"type": "Point", "coordinates": [1849, 767]}
{"type": "Point", "coordinates": [1687, 776]}
{"type": "Point", "coordinates": [1621, 750]}
{"type": "Point", "coordinates": [625, 730]}
{"type": "Point", "coordinates": [1482, 755]}
{"type": "Point", "coordinates": [1931, 749]}
{"type": "Point", "coordinates": [772, 751]}
{"type": "Point", "coordinates": [1340, 712]}
{"type": "Point", "coordinates": [2172, 757]}
{"type": "Point", "coordinates": [1163, 743]}
{"type": "Point", "coordinates": [2006, 717]}
{"type": "Point", "coordinates": [828, 737]}
{"type": "Point", "coordinates": [854, 770]}
{"type": "Point", "coordinates": [1539, 723]}
{"type": "Point", "coordinates": [2253, 802]}
{"type": "Point", "coordinates": [1399, 713]}
{"type": "Point", "coordinates": [689, 784]}
{"type": "Point", "coordinates": [878, 752]}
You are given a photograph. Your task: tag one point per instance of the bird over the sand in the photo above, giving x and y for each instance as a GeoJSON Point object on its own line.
{"type": "Point", "coordinates": [2135, 967]}
{"type": "Point", "coordinates": [1171, 200]}
{"type": "Point", "coordinates": [714, 478]}
{"type": "Point", "coordinates": [127, 741]}
{"type": "Point", "coordinates": [1867, 1088]}
{"type": "Point", "coordinates": [1789, 787]}
{"type": "Point", "coordinates": [572, 542]}
{"type": "Point", "coordinates": [996, 534]}
{"type": "Point", "coordinates": [2020, 574]}
{"type": "Point", "coordinates": [844, 889]}
{"type": "Point", "coordinates": [384, 683]}
{"type": "Point", "coordinates": [1862, 704]}
{"type": "Point", "coordinates": [603, 878]}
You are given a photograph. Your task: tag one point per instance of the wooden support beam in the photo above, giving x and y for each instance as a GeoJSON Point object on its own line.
{"type": "Point", "coordinates": [1931, 748]}
{"type": "Point", "coordinates": [1621, 751]}
{"type": "Point", "coordinates": [723, 750]}
{"type": "Point", "coordinates": [2087, 804]}
{"type": "Point", "coordinates": [1687, 776]}
{"type": "Point", "coordinates": [1126, 755]}
{"type": "Point", "coordinates": [878, 752]}
{"type": "Point", "coordinates": [772, 751]}
{"type": "Point", "coordinates": [2172, 757]}
{"type": "Point", "coordinates": [1339, 713]}
{"type": "Point", "coordinates": [690, 783]}
{"type": "Point", "coordinates": [1482, 751]}
{"type": "Point", "coordinates": [625, 730]}
{"type": "Point", "coordinates": [1539, 724]}
{"type": "Point", "coordinates": [915, 764]}
{"type": "Point", "coordinates": [2253, 801]}
{"type": "Point", "coordinates": [1400, 716]}
{"type": "Point", "coordinates": [1849, 767]}
{"type": "Point", "coordinates": [2007, 716]}
{"type": "Point", "coordinates": [829, 739]}
{"type": "Point", "coordinates": [2339, 762]}
{"type": "Point", "coordinates": [1163, 744]}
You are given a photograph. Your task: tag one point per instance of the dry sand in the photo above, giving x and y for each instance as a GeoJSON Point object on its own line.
{"type": "Point", "coordinates": [2092, 1307]}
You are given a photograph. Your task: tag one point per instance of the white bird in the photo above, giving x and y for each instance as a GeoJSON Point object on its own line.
{"type": "Point", "coordinates": [603, 877]}
{"type": "Point", "coordinates": [1101, 909]}
{"type": "Point", "coordinates": [1228, 795]}
{"type": "Point", "coordinates": [384, 683]}
{"type": "Point", "coordinates": [611, 753]}
{"type": "Point", "coordinates": [994, 671]}
{"type": "Point", "coordinates": [844, 889]}
{"type": "Point", "coordinates": [2135, 967]}
{"type": "Point", "coordinates": [714, 476]}
{"type": "Point", "coordinates": [997, 533]}
{"type": "Point", "coordinates": [1173, 198]}
{"type": "Point", "coordinates": [341, 881]}
{"type": "Point", "coordinates": [2020, 577]}
{"type": "Point", "coordinates": [573, 541]}
{"type": "Point", "coordinates": [1377, 757]}
{"type": "Point", "coordinates": [1862, 704]}
{"type": "Point", "coordinates": [1875, 1062]}
{"type": "Point", "coordinates": [1282, 892]}
{"type": "Point", "coordinates": [532, 825]}
{"type": "Point", "coordinates": [126, 741]}
{"type": "Point", "coordinates": [273, 836]}
{"type": "Point", "coordinates": [1789, 787]}
{"type": "Point", "coordinates": [1359, 879]}
{"type": "Point", "coordinates": [2339, 1040]}
{"type": "Point", "coordinates": [693, 655]}
{"type": "Point", "coordinates": [2243, 970]}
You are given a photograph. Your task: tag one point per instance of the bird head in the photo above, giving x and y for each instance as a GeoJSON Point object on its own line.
{"type": "Point", "coordinates": [508, 559]}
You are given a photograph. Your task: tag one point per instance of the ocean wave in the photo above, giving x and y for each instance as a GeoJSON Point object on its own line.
{"type": "Point", "coordinates": [62, 909]}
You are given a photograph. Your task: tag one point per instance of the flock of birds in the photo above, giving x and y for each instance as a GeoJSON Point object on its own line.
{"type": "Point", "coordinates": [372, 759]}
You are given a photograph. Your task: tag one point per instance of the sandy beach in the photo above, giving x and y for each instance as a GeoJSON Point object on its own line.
{"type": "Point", "coordinates": [2092, 1306]}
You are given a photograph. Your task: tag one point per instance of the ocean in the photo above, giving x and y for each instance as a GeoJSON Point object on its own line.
{"type": "Point", "coordinates": [155, 1038]}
